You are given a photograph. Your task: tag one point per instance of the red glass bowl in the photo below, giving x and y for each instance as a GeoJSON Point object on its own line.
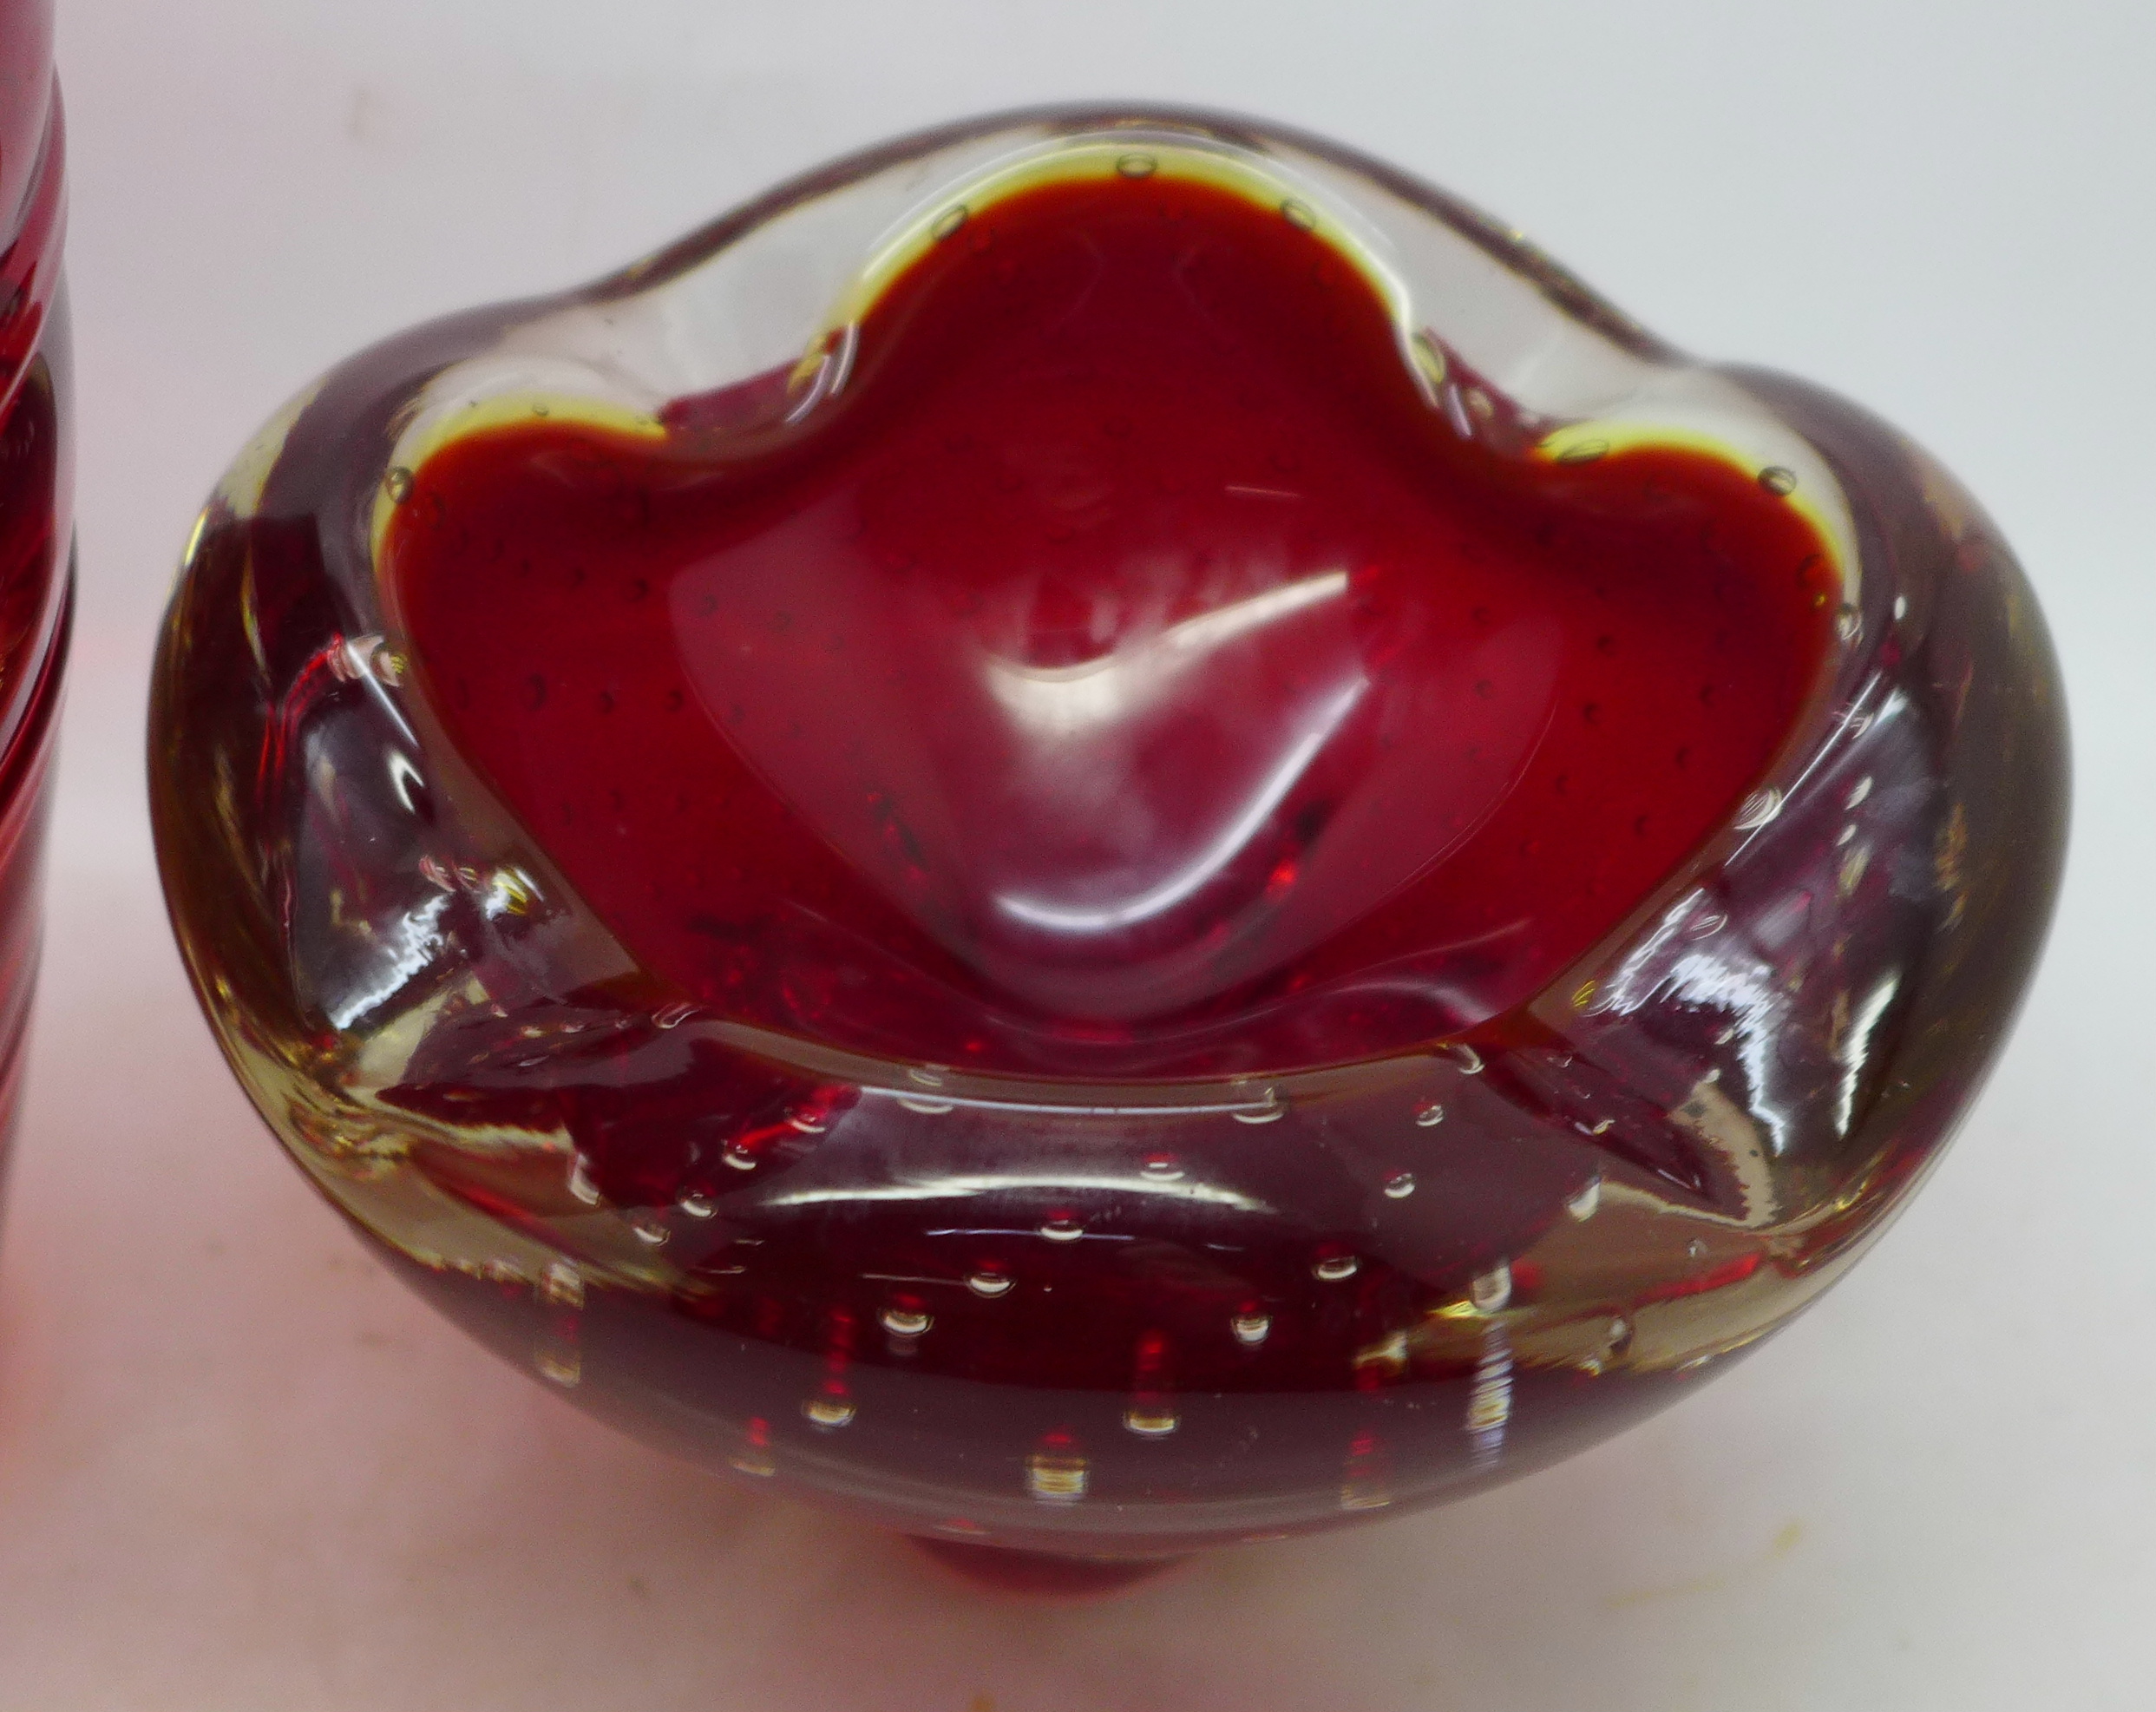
{"type": "Point", "coordinates": [1105, 831]}
{"type": "Point", "coordinates": [37, 503]}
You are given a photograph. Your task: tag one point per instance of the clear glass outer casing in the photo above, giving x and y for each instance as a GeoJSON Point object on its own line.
{"type": "Point", "coordinates": [1116, 1302]}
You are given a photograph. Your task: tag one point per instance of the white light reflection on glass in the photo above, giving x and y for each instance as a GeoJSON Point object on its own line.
{"type": "Point", "coordinates": [1069, 1109]}
{"type": "Point", "coordinates": [963, 1187]}
{"type": "Point", "coordinates": [1740, 979]}
{"type": "Point", "coordinates": [402, 777]}
{"type": "Point", "coordinates": [1215, 858]}
{"type": "Point", "coordinates": [411, 944]}
{"type": "Point", "coordinates": [1717, 975]}
{"type": "Point", "coordinates": [1856, 1047]}
{"type": "Point", "coordinates": [1064, 701]}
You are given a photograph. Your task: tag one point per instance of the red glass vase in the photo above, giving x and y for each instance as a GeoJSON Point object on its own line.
{"type": "Point", "coordinates": [1104, 832]}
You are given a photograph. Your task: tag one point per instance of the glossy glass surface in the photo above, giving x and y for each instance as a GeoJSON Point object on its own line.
{"type": "Point", "coordinates": [1102, 833]}
{"type": "Point", "coordinates": [36, 490]}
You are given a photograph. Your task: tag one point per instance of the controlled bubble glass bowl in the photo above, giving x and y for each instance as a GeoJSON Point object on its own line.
{"type": "Point", "coordinates": [37, 504]}
{"type": "Point", "coordinates": [1104, 832]}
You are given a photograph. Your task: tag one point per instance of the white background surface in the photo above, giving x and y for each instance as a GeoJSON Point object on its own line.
{"type": "Point", "coordinates": [240, 1469]}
